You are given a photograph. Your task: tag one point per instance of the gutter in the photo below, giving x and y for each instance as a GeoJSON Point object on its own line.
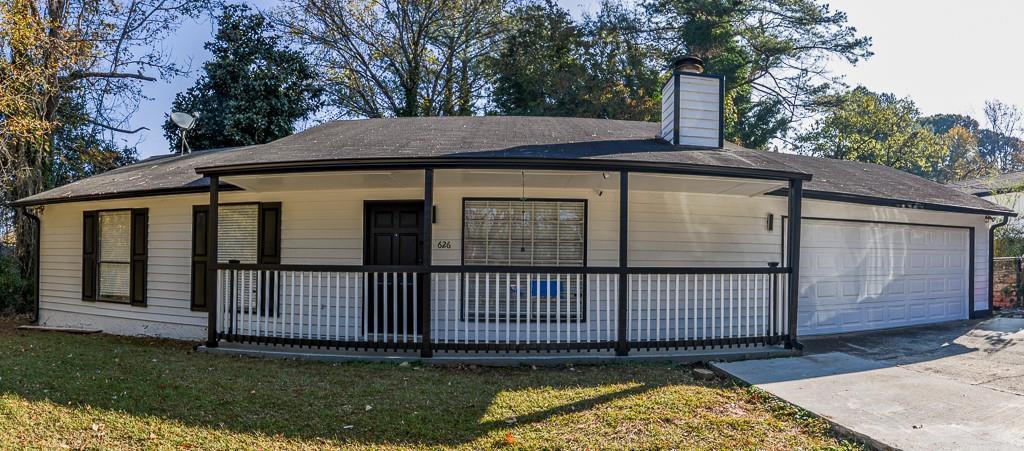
{"type": "Point", "coordinates": [35, 258]}
{"type": "Point", "coordinates": [461, 162]}
{"type": "Point", "coordinates": [991, 270]}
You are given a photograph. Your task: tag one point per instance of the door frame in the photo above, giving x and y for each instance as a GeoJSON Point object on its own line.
{"type": "Point", "coordinates": [419, 278]}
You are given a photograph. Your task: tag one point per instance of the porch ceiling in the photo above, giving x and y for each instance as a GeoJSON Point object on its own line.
{"type": "Point", "coordinates": [502, 178]}
{"type": "Point", "coordinates": [462, 178]}
{"type": "Point", "coordinates": [328, 181]}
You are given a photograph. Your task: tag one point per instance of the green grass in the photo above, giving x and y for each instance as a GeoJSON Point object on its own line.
{"type": "Point", "coordinates": [72, 391]}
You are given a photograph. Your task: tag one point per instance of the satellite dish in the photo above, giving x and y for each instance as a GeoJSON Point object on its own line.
{"type": "Point", "coordinates": [185, 122]}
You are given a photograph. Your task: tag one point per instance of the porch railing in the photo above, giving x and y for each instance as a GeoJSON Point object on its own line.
{"type": "Point", "coordinates": [502, 309]}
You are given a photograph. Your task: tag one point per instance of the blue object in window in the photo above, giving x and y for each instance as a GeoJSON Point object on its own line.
{"type": "Point", "coordinates": [544, 288]}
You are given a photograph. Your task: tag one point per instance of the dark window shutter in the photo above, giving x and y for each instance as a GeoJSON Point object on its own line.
{"type": "Point", "coordinates": [269, 251]}
{"type": "Point", "coordinates": [140, 254]}
{"type": "Point", "coordinates": [90, 237]}
{"type": "Point", "coordinates": [199, 257]}
{"type": "Point", "coordinates": [270, 233]}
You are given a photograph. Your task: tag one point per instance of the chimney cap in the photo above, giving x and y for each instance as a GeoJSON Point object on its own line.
{"type": "Point", "coordinates": [688, 63]}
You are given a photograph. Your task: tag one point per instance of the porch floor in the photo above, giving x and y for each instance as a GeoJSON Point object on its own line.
{"type": "Point", "coordinates": [501, 358]}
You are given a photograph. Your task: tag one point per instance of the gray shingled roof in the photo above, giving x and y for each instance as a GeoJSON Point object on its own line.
{"type": "Point", "coordinates": [527, 138]}
{"type": "Point", "coordinates": [1010, 182]}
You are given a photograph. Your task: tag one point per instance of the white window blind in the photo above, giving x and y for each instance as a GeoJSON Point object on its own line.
{"type": "Point", "coordinates": [523, 233]}
{"type": "Point", "coordinates": [114, 254]}
{"type": "Point", "coordinates": [237, 233]}
{"type": "Point", "coordinates": [237, 239]}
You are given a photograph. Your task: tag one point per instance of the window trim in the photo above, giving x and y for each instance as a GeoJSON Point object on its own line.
{"type": "Point", "coordinates": [98, 244]}
{"type": "Point", "coordinates": [586, 223]}
{"type": "Point", "coordinates": [585, 286]}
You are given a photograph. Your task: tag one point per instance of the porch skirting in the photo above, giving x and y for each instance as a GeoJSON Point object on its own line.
{"type": "Point", "coordinates": [501, 358]}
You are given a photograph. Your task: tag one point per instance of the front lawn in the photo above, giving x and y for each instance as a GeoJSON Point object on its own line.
{"type": "Point", "coordinates": [72, 391]}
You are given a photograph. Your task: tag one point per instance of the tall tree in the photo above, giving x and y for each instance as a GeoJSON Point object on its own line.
{"type": "Point", "coordinates": [80, 149]}
{"type": "Point", "coordinates": [537, 68]}
{"type": "Point", "coordinates": [963, 160]}
{"type": "Point", "coordinates": [941, 124]}
{"type": "Point", "coordinates": [96, 52]}
{"type": "Point", "coordinates": [1003, 141]}
{"type": "Point", "coordinates": [877, 128]}
{"type": "Point", "coordinates": [398, 57]}
{"type": "Point", "coordinates": [774, 55]}
{"type": "Point", "coordinates": [622, 65]}
{"type": "Point", "coordinates": [254, 89]}
{"type": "Point", "coordinates": [603, 67]}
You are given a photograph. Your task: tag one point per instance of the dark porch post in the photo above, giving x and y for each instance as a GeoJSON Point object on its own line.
{"type": "Point", "coordinates": [426, 350]}
{"type": "Point", "coordinates": [796, 193]}
{"type": "Point", "coordinates": [622, 346]}
{"type": "Point", "coordinates": [211, 263]}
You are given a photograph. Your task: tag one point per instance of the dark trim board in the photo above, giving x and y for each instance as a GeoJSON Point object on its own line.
{"type": "Point", "coordinates": [457, 269]}
{"type": "Point", "coordinates": [895, 203]}
{"type": "Point", "coordinates": [500, 163]}
{"type": "Point", "coordinates": [971, 257]}
{"type": "Point", "coordinates": [128, 195]}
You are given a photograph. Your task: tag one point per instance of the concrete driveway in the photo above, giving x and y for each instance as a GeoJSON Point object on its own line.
{"type": "Point", "coordinates": [949, 386]}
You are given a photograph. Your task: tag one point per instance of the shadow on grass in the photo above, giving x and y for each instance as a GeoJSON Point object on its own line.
{"type": "Point", "coordinates": [358, 403]}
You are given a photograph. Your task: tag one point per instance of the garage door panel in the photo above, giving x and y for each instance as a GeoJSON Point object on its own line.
{"type": "Point", "coordinates": [862, 276]}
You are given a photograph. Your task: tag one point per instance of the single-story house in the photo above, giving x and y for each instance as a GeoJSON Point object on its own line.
{"type": "Point", "coordinates": [511, 234]}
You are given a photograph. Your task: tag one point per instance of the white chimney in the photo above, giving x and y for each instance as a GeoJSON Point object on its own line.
{"type": "Point", "coordinates": [691, 105]}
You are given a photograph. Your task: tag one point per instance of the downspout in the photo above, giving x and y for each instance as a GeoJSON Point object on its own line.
{"type": "Point", "coordinates": [35, 258]}
{"type": "Point", "coordinates": [991, 259]}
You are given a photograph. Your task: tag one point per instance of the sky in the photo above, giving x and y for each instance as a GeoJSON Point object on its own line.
{"type": "Point", "coordinates": [948, 56]}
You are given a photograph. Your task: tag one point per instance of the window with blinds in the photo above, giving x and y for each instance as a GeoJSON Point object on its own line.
{"type": "Point", "coordinates": [515, 232]}
{"type": "Point", "coordinates": [238, 239]}
{"type": "Point", "coordinates": [114, 257]}
{"type": "Point", "coordinates": [238, 233]}
{"type": "Point", "coordinates": [524, 233]}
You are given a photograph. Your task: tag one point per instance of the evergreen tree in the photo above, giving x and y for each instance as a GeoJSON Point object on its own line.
{"type": "Point", "coordinates": [253, 91]}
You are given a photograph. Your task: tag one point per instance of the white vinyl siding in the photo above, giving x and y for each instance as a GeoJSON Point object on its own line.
{"type": "Point", "coordinates": [114, 255]}
{"type": "Point", "coordinates": [699, 114]}
{"type": "Point", "coordinates": [326, 228]}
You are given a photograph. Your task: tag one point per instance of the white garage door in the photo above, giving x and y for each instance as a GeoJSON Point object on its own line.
{"type": "Point", "coordinates": [861, 276]}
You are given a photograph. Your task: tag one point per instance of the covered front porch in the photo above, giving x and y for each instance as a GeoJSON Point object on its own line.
{"type": "Point", "coordinates": [437, 260]}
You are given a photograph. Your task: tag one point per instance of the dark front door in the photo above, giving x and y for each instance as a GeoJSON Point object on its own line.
{"type": "Point", "coordinates": [393, 237]}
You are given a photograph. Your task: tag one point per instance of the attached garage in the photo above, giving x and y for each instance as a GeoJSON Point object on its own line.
{"type": "Point", "coordinates": [860, 275]}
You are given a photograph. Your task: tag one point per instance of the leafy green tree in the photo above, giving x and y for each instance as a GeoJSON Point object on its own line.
{"type": "Point", "coordinates": [254, 89]}
{"type": "Point", "coordinates": [963, 161]}
{"type": "Point", "coordinates": [537, 69]}
{"type": "Point", "coordinates": [941, 124]}
{"type": "Point", "coordinates": [623, 68]}
{"type": "Point", "coordinates": [604, 66]}
{"type": "Point", "coordinates": [865, 126]}
{"type": "Point", "coordinates": [773, 54]}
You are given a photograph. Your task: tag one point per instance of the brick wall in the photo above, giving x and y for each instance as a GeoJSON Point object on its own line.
{"type": "Point", "coordinates": [1004, 280]}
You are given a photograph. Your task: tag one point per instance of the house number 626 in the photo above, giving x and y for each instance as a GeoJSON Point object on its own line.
{"type": "Point", "coordinates": [444, 244]}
